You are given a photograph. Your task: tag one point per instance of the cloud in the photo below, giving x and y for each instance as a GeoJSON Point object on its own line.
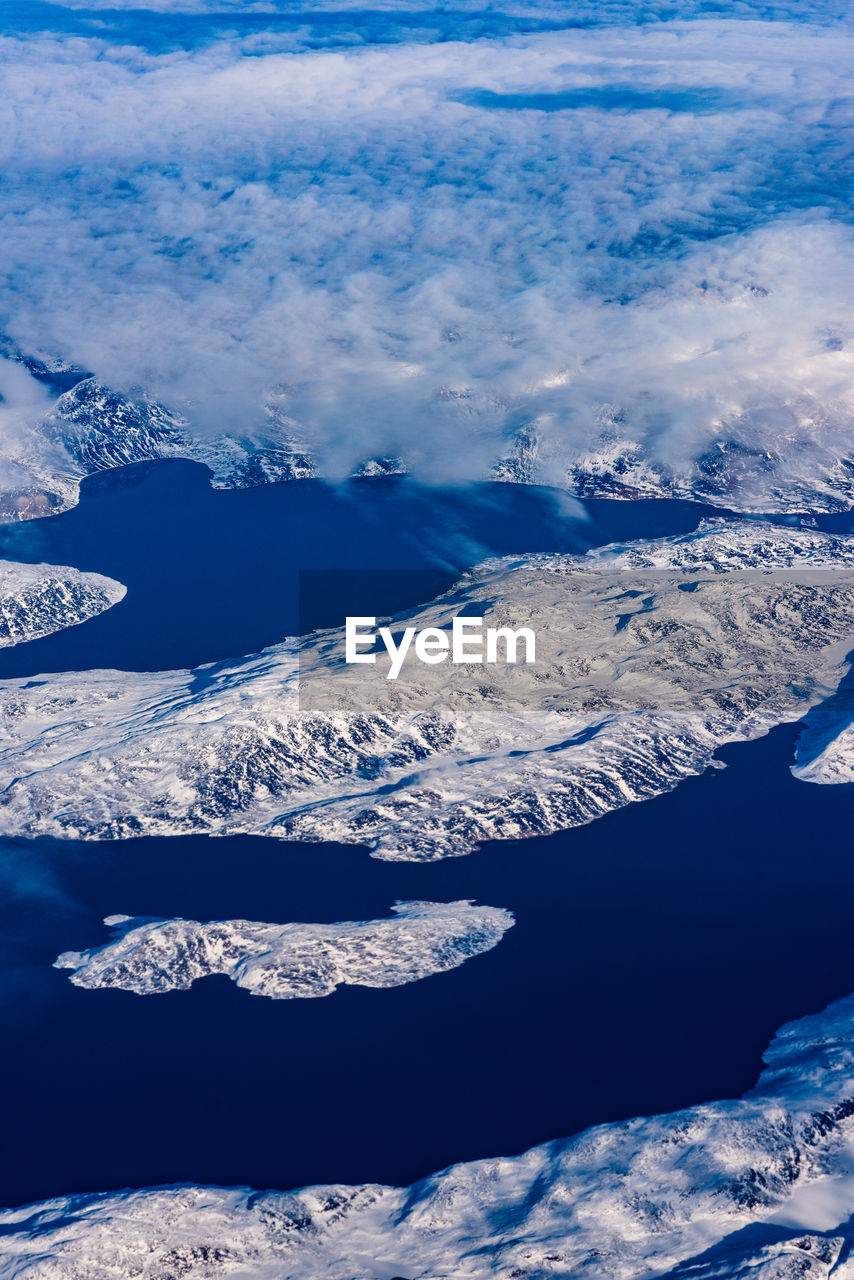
{"type": "Point", "coordinates": [422, 261]}
{"type": "Point", "coordinates": [583, 13]}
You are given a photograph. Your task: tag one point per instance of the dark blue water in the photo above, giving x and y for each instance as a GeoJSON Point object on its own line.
{"type": "Point", "coordinates": [655, 952]}
{"type": "Point", "coordinates": [214, 574]}
{"type": "Point", "coordinates": [654, 955]}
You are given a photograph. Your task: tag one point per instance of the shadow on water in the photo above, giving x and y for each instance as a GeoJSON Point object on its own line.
{"type": "Point", "coordinates": [654, 955]}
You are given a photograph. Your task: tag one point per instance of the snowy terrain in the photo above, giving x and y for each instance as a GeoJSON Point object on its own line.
{"type": "Point", "coordinates": [92, 428]}
{"type": "Point", "coordinates": [825, 750]}
{"type": "Point", "coordinates": [742, 469]}
{"type": "Point", "coordinates": [603, 247]}
{"type": "Point", "coordinates": [762, 1187]}
{"type": "Point", "coordinates": [289, 961]}
{"type": "Point", "coordinates": [37, 599]}
{"type": "Point", "coordinates": [649, 657]}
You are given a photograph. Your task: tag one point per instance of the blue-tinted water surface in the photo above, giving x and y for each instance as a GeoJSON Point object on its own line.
{"type": "Point", "coordinates": [213, 574]}
{"type": "Point", "coordinates": [654, 953]}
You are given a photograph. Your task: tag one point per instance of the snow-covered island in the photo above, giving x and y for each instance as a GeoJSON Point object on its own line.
{"type": "Point", "coordinates": [289, 961]}
{"type": "Point", "coordinates": [650, 656]}
{"type": "Point", "coordinates": [760, 1188]}
{"type": "Point", "coordinates": [38, 599]}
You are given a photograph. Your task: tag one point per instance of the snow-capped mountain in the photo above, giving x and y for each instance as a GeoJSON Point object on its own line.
{"type": "Point", "coordinates": [100, 430]}
{"type": "Point", "coordinates": [649, 657]}
{"type": "Point", "coordinates": [761, 1187]}
{"type": "Point", "coordinates": [92, 428]}
{"type": "Point", "coordinates": [289, 961]}
{"type": "Point", "coordinates": [741, 474]}
{"type": "Point", "coordinates": [37, 599]}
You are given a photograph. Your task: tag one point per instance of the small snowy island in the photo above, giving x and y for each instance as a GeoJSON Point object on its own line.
{"type": "Point", "coordinates": [289, 961]}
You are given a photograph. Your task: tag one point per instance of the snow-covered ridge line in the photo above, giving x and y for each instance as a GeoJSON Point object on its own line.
{"type": "Point", "coordinates": [38, 599]}
{"type": "Point", "coordinates": [825, 749]}
{"type": "Point", "coordinates": [713, 548]}
{"type": "Point", "coordinates": [92, 428]}
{"type": "Point", "coordinates": [289, 961]}
{"type": "Point", "coordinates": [758, 1189]}
{"type": "Point", "coordinates": [641, 674]}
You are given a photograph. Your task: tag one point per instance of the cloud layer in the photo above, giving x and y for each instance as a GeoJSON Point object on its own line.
{"type": "Point", "coordinates": [423, 249]}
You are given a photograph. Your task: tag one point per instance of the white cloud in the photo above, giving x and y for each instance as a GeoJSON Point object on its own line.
{"type": "Point", "coordinates": [212, 224]}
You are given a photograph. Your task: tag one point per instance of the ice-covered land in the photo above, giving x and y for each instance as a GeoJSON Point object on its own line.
{"type": "Point", "coordinates": [289, 961]}
{"type": "Point", "coordinates": [92, 428]}
{"type": "Point", "coordinates": [761, 1187]}
{"type": "Point", "coordinates": [38, 599]}
{"type": "Point", "coordinates": [825, 750]}
{"type": "Point", "coordinates": [649, 657]}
